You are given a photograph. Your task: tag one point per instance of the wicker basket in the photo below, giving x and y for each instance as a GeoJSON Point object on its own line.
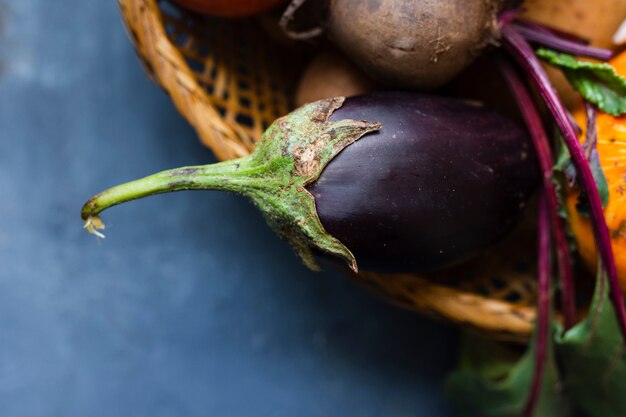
{"type": "Point", "coordinates": [230, 80]}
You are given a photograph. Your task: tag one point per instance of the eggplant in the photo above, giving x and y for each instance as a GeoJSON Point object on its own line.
{"type": "Point", "coordinates": [397, 181]}
{"type": "Point", "coordinates": [441, 181]}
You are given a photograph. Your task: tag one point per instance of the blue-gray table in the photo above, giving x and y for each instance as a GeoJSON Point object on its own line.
{"type": "Point", "coordinates": [190, 306]}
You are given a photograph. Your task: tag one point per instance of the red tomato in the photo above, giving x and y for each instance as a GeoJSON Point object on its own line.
{"type": "Point", "coordinates": [229, 8]}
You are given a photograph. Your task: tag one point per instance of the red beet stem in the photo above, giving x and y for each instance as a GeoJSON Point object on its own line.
{"type": "Point", "coordinates": [546, 161]}
{"type": "Point", "coordinates": [543, 305]}
{"type": "Point", "coordinates": [524, 55]}
{"type": "Point", "coordinates": [508, 16]}
{"type": "Point", "coordinates": [554, 31]}
{"type": "Point", "coordinates": [551, 41]}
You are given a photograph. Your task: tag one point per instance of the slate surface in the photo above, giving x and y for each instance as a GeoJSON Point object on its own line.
{"type": "Point", "coordinates": [191, 306]}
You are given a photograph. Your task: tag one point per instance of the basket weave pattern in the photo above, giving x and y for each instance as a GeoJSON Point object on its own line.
{"type": "Point", "coordinates": [230, 81]}
{"type": "Point", "coordinates": [223, 76]}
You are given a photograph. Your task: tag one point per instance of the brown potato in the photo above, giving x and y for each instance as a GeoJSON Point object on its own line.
{"type": "Point", "coordinates": [596, 20]}
{"type": "Point", "coordinates": [331, 75]}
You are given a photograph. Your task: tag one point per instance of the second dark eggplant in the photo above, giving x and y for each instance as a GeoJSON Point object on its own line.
{"type": "Point", "coordinates": [396, 181]}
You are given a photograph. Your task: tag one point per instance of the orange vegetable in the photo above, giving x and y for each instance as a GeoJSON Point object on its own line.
{"type": "Point", "coordinates": [331, 75]}
{"type": "Point", "coordinates": [612, 151]}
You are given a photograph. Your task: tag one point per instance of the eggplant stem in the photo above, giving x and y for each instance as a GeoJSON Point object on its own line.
{"type": "Point", "coordinates": [552, 41]}
{"type": "Point", "coordinates": [524, 55]}
{"type": "Point", "coordinates": [235, 176]}
{"type": "Point", "coordinates": [546, 161]}
{"type": "Point", "coordinates": [543, 304]}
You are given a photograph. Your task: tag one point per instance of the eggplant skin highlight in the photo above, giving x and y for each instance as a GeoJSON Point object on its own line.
{"type": "Point", "coordinates": [441, 181]}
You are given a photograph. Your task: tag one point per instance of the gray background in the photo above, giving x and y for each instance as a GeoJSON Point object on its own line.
{"type": "Point", "coordinates": [191, 306]}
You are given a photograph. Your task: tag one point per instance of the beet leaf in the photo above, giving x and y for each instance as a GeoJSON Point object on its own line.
{"type": "Point", "coordinates": [598, 83]}
{"type": "Point", "coordinates": [494, 381]}
{"type": "Point", "coordinates": [593, 359]}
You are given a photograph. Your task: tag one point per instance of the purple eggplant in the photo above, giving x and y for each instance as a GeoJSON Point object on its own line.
{"type": "Point", "coordinates": [439, 182]}
{"type": "Point", "coordinates": [394, 181]}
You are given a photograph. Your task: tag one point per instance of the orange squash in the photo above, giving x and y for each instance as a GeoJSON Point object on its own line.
{"type": "Point", "coordinates": [612, 151]}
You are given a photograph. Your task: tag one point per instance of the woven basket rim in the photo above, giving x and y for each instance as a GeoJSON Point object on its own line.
{"type": "Point", "coordinates": [168, 68]}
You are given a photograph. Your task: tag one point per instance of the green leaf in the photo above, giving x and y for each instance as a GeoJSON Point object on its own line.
{"type": "Point", "coordinates": [563, 159]}
{"type": "Point", "coordinates": [593, 358]}
{"type": "Point", "coordinates": [563, 172]}
{"type": "Point", "coordinates": [598, 83]}
{"type": "Point", "coordinates": [601, 184]}
{"type": "Point", "coordinates": [494, 381]}
{"type": "Point", "coordinates": [599, 177]}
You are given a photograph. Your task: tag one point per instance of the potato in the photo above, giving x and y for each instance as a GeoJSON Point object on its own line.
{"type": "Point", "coordinates": [331, 75]}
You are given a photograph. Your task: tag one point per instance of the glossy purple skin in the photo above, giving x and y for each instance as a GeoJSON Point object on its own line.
{"type": "Point", "coordinates": [440, 182]}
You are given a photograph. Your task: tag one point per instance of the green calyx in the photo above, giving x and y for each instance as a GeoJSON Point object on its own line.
{"type": "Point", "coordinates": [291, 154]}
